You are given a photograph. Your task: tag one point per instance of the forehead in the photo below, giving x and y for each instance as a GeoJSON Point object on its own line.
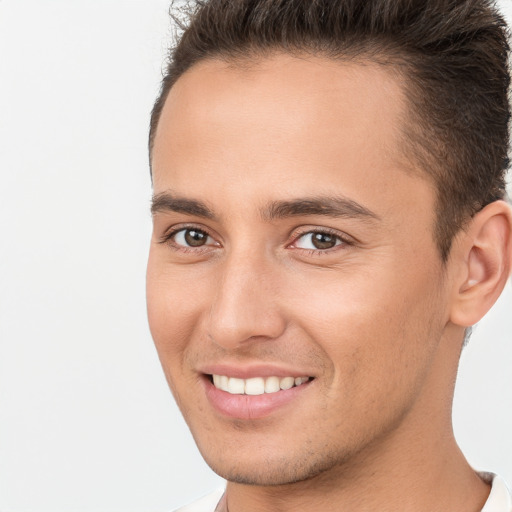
{"type": "Point", "coordinates": [282, 119]}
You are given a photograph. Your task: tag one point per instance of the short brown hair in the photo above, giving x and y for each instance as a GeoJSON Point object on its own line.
{"type": "Point", "coordinates": [454, 54]}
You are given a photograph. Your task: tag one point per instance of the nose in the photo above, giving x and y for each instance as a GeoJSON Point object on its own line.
{"type": "Point", "coordinates": [246, 304]}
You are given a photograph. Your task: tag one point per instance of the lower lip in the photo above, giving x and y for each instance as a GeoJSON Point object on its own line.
{"type": "Point", "coordinates": [250, 407]}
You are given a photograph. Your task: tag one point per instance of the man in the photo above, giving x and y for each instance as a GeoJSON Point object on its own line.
{"type": "Point", "coordinates": [328, 224]}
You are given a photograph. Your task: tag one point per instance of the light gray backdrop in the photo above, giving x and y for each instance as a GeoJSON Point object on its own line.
{"type": "Point", "coordinates": [86, 421]}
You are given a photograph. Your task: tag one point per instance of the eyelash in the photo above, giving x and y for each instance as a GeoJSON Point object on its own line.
{"type": "Point", "coordinates": [168, 238]}
{"type": "Point", "coordinates": [344, 241]}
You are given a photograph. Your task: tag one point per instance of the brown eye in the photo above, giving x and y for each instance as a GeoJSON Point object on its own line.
{"type": "Point", "coordinates": [317, 240]}
{"type": "Point", "coordinates": [323, 240]}
{"type": "Point", "coordinates": [191, 238]}
{"type": "Point", "coordinates": [195, 238]}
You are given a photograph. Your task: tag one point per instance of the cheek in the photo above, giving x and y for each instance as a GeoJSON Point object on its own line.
{"type": "Point", "coordinates": [172, 319]}
{"type": "Point", "coordinates": [376, 326]}
{"type": "Point", "coordinates": [173, 305]}
{"type": "Point", "coordinates": [379, 354]}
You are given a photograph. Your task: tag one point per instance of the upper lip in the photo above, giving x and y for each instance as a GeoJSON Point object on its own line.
{"type": "Point", "coordinates": [249, 371]}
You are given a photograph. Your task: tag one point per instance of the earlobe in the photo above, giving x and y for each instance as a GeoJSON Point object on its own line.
{"type": "Point", "coordinates": [485, 255]}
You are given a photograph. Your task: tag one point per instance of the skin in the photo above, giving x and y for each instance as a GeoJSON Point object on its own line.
{"type": "Point", "coordinates": [377, 320]}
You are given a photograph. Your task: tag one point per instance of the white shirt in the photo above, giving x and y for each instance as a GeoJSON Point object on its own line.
{"type": "Point", "coordinates": [499, 500]}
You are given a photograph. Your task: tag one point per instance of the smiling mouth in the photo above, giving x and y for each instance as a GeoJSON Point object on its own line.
{"type": "Point", "coordinates": [256, 385]}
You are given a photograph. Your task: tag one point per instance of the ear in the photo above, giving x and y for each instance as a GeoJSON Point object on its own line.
{"type": "Point", "coordinates": [483, 258]}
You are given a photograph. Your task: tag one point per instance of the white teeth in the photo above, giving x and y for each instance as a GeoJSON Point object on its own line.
{"type": "Point", "coordinates": [236, 386]}
{"type": "Point", "coordinates": [272, 384]}
{"type": "Point", "coordinates": [256, 385]}
{"type": "Point", "coordinates": [286, 382]}
{"type": "Point", "coordinates": [223, 383]}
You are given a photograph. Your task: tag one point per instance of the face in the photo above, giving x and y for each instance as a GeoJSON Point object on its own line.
{"type": "Point", "coordinates": [295, 293]}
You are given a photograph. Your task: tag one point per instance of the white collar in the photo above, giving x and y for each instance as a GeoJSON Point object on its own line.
{"type": "Point", "coordinates": [500, 499]}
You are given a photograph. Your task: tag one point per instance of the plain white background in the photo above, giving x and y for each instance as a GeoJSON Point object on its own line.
{"type": "Point", "coordinates": [86, 420]}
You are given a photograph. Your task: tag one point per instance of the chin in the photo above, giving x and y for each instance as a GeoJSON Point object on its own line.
{"type": "Point", "coordinates": [260, 469]}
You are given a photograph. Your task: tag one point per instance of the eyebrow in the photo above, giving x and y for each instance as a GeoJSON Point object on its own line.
{"type": "Point", "coordinates": [328, 206]}
{"type": "Point", "coordinates": [167, 202]}
{"type": "Point", "coordinates": [331, 206]}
